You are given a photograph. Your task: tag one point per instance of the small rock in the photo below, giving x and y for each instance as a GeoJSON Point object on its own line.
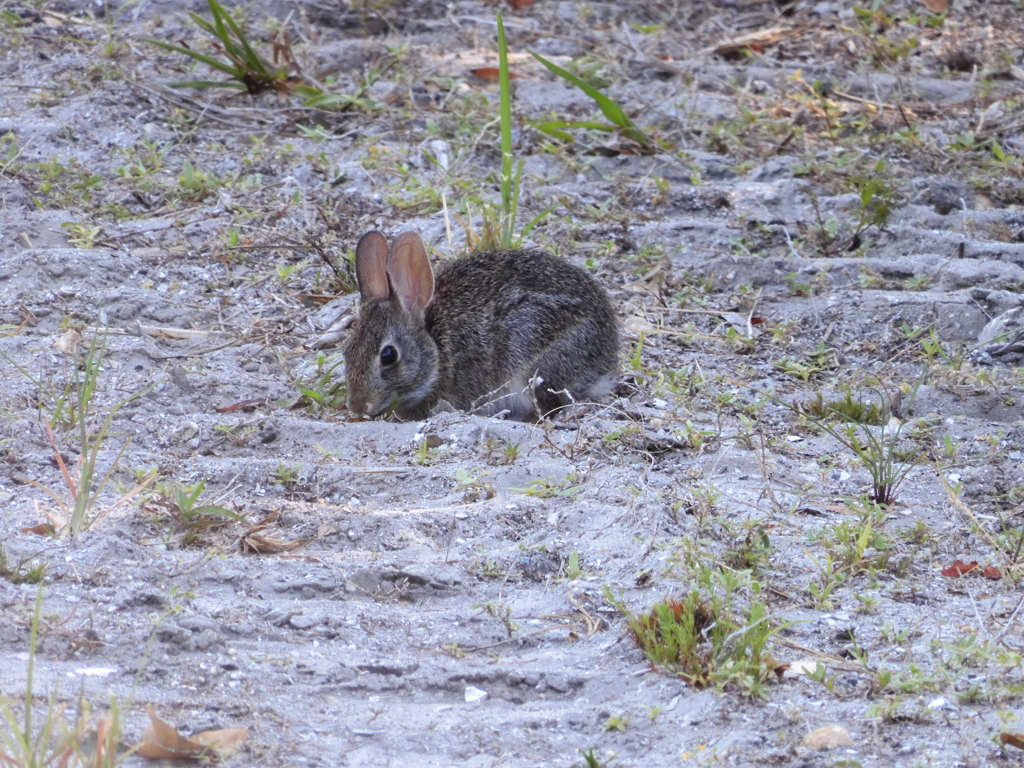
{"type": "Point", "coordinates": [474, 694]}
{"type": "Point", "coordinates": [206, 640]}
{"type": "Point", "coordinates": [828, 737]}
{"type": "Point", "coordinates": [303, 621]}
{"type": "Point", "coordinates": [277, 617]}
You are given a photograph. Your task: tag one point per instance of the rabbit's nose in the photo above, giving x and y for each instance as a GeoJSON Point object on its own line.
{"type": "Point", "coordinates": [357, 406]}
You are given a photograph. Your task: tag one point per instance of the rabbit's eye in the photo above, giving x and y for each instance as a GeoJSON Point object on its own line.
{"type": "Point", "coordinates": [388, 355]}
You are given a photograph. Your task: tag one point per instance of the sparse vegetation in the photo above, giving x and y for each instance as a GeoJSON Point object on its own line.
{"type": "Point", "coordinates": [707, 637]}
{"type": "Point", "coordinates": [835, 235]}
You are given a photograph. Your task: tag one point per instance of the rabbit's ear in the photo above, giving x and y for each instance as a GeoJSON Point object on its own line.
{"type": "Point", "coordinates": [371, 266]}
{"type": "Point", "coordinates": [412, 279]}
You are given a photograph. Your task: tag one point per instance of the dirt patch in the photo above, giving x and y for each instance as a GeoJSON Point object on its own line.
{"type": "Point", "coordinates": [831, 223]}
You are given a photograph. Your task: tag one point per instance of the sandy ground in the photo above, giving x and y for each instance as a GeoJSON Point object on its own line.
{"type": "Point", "coordinates": [834, 209]}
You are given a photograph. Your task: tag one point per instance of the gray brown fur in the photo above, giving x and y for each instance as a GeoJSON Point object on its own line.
{"type": "Point", "coordinates": [494, 321]}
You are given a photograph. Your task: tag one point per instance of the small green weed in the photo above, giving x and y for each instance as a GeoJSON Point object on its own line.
{"type": "Point", "coordinates": [179, 505]}
{"type": "Point", "coordinates": [874, 23]}
{"type": "Point", "coordinates": [877, 195]}
{"type": "Point", "coordinates": [473, 484]}
{"type": "Point", "coordinates": [618, 120]}
{"type": "Point", "coordinates": [550, 488]}
{"type": "Point", "coordinates": [425, 453]}
{"type": "Point", "coordinates": [80, 235]}
{"type": "Point", "coordinates": [590, 760]}
{"type": "Point", "coordinates": [878, 448]}
{"type": "Point", "coordinates": [288, 476]}
{"type": "Point", "coordinates": [572, 566]}
{"type": "Point", "coordinates": [324, 394]}
{"type": "Point", "coordinates": [29, 570]}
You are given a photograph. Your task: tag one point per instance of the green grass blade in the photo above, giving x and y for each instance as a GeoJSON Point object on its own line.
{"type": "Point", "coordinates": [608, 106]}
{"type": "Point", "coordinates": [202, 23]}
{"type": "Point", "coordinates": [250, 56]}
{"type": "Point", "coordinates": [218, 511]}
{"type": "Point", "coordinates": [534, 222]}
{"type": "Point", "coordinates": [208, 84]}
{"type": "Point", "coordinates": [505, 112]}
{"type": "Point", "coordinates": [215, 63]}
{"type": "Point", "coordinates": [514, 212]}
{"type": "Point", "coordinates": [218, 13]}
{"type": "Point", "coordinates": [556, 128]}
{"type": "Point", "coordinates": [340, 100]}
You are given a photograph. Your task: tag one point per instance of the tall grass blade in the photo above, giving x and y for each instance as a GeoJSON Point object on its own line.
{"type": "Point", "coordinates": [509, 186]}
{"type": "Point", "coordinates": [608, 106]}
{"type": "Point", "coordinates": [215, 63]}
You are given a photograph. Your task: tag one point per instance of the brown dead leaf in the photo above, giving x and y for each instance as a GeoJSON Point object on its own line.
{"type": "Point", "coordinates": [959, 568]}
{"type": "Point", "coordinates": [161, 741]}
{"type": "Point", "coordinates": [756, 41]}
{"type": "Point", "coordinates": [1012, 739]}
{"type": "Point", "coordinates": [257, 544]}
{"type": "Point", "coordinates": [491, 74]}
{"type": "Point", "coordinates": [800, 667]}
{"type": "Point", "coordinates": [68, 342]}
{"type": "Point", "coordinates": [935, 6]}
{"type": "Point", "coordinates": [27, 318]}
{"type": "Point", "coordinates": [244, 405]}
{"type": "Point", "coordinates": [43, 529]}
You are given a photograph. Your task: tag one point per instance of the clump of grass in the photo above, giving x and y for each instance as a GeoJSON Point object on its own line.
{"type": "Point", "coordinates": [879, 449]}
{"type": "Point", "coordinates": [845, 408]}
{"type": "Point", "coordinates": [74, 408]}
{"type": "Point", "coordinates": [705, 637]}
{"type": "Point", "coordinates": [246, 69]}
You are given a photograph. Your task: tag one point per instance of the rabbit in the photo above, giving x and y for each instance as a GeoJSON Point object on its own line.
{"type": "Point", "coordinates": [518, 331]}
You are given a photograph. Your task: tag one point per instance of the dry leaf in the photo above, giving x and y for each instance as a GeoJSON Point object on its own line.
{"type": "Point", "coordinates": [959, 568]}
{"type": "Point", "coordinates": [1013, 739]}
{"type": "Point", "coordinates": [68, 342]}
{"type": "Point", "coordinates": [800, 667]}
{"type": "Point", "coordinates": [756, 40]}
{"type": "Point", "coordinates": [491, 74]}
{"type": "Point", "coordinates": [935, 6]}
{"type": "Point", "coordinates": [244, 405]}
{"type": "Point", "coordinates": [254, 543]}
{"type": "Point", "coordinates": [158, 332]}
{"type": "Point", "coordinates": [43, 529]}
{"type": "Point", "coordinates": [161, 741]}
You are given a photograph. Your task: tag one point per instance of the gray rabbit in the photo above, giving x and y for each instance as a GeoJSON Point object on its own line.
{"type": "Point", "coordinates": [497, 331]}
